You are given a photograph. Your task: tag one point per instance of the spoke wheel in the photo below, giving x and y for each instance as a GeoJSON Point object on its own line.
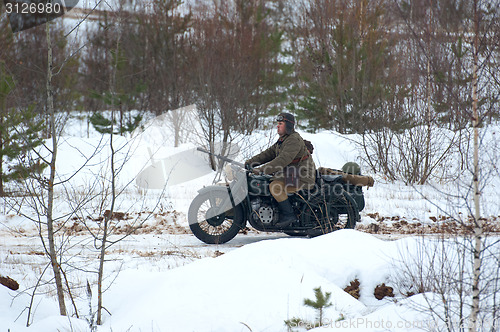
{"type": "Point", "coordinates": [340, 212]}
{"type": "Point", "coordinates": [209, 222]}
{"type": "Point", "coordinates": [344, 212]}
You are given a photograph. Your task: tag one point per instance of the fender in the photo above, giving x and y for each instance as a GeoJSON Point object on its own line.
{"type": "Point", "coordinates": [224, 189]}
{"type": "Point", "coordinates": [213, 188]}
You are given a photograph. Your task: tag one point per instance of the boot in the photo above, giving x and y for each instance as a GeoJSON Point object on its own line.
{"type": "Point", "coordinates": [286, 216]}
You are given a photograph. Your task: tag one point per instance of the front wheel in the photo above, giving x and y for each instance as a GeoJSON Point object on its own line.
{"type": "Point", "coordinates": [212, 219]}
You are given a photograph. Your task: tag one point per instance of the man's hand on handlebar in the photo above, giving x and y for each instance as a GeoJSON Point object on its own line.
{"type": "Point", "coordinates": [256, 171]}
{"type": "Point", "coordinates": [251, 169]}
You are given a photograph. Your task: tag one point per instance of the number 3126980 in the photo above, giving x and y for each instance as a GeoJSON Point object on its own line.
{"type": "Point", "coordinates": [33, 8]}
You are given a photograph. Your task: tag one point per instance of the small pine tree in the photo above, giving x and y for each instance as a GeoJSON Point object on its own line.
{"type": "Point", "coordinates": [322, 301]}
{"type": "Point", "coordinates": [19, 134]}
{"type": "Point", "coordinates": [122, 99]}
{"type": "Point", "coordinates": [104, 125]}
{"type": "Point", "coordinates": [101, 124]}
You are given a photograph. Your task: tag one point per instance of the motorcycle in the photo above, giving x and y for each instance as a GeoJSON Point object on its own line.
{"type": "Point", "coordinates": [219, 212]}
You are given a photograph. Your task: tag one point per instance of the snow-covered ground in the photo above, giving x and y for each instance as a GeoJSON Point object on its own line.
{"type": "Point", "coordinates": [163, 279]}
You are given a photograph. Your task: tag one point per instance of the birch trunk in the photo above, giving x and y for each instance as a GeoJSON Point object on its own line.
{"type": "Point", "coordinates": [427, 156]}
{"type": "Point", "coordinates": [478, 228]}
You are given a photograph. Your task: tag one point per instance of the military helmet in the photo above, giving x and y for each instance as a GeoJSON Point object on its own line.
{"type": "Point", "coordinates": [351, 168]}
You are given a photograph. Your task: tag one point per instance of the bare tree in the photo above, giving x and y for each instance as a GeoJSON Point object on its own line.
{"type": "Point", "coordinates": [46, 84]}
{"type": "Point", "coordinates": [478, 223]}
{"type": "Point", "coordinates": [472, 298]}
{"type": "Point", "coordinates": [109, 222]}
{"type": "Point", "coordinates": [109, 213]}
{"type": "Point", "coordinates": [439, 269]}
{"type": "Point", "coordinates": [51, 250]}
{"type": "Point", "coordinates": [41, 189]}
{"type": "Point", "coordinates": [236, 70]}
{"type": "Point", "coordinates": [424, 149]}
{"type": "Point", "coordinates": [152, 73]}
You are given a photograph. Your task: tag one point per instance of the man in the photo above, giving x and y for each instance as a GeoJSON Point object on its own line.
{"type": "Point", "coordinates": [290, 163]}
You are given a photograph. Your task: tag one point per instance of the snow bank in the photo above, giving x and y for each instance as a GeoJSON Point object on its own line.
{"type": "Point", "coordinates": [260, 285]}
{"type": "Point", "coordinates": [257, 286]}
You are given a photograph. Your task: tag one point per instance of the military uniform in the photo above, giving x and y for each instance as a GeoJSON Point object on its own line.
{"type": "Point", "coordinates": [289, 150]}
{"type": "Point", "coordinates": [291, 165]}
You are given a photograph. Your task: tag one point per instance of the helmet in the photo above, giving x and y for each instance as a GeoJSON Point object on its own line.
{"type": "Point", "coordinates": [351, 168]}
{"type": "Point", "coordinates": [289, 120]}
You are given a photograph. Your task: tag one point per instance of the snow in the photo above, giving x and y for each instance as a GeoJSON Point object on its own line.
{"type": "Point", "coordinates": [258, 285]}
{"type": "Point", "coordinates": [260, 282]}
{"type": "Point", "coordinates": [164, 279]}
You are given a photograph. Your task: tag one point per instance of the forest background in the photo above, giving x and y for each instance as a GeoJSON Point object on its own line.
{"type": "Point", "coordinates": [416, 81]}
{"type": "Point", "coordinates": [398, 73]}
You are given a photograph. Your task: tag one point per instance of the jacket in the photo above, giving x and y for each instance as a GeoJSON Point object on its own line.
{"type": "Point", "coordinates": [288, 150]}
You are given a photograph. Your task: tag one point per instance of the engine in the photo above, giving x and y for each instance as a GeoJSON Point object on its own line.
{"type": "Point", "coordinates": [263, 212]}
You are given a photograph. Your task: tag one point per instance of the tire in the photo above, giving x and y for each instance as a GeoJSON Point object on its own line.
{"type": "Point", "coordinates": [216, 229]}
{"type": "Point", "coordinates": [346, 211]}
{"type": "Point", "coordinates": [296, 233]}
{"type": "Point", "coordinates": [342, 214]}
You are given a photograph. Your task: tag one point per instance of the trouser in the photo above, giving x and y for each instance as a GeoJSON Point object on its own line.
{"type": "Point", "coordinates": [280, 191]}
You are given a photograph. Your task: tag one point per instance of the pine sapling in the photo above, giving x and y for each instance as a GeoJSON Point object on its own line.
{"type": "Point", "coordinates": [322, 301]}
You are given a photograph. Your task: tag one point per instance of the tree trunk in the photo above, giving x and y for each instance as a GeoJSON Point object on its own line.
{"type": "Point", "coordinates": [427, 153]}
{"type": "Point", "coordinates": [478, 227]}
{"type": "Point", "coordinates": [100, 276]}
{"type": "Point", "coordinates": [107, 217]}
{"type": "Point", "coordinates": [109, 213]}
{"type": "Point", "coordinates": [50, 186]}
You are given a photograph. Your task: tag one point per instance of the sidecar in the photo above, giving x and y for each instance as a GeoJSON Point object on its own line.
{"type": "Point", "coordinates": [352, 183]}
{"type": "Point", "coordinates": [340, 195]}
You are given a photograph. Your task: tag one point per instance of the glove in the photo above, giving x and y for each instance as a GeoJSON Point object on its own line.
{"type": "Point", "coordinates": [257, 171]}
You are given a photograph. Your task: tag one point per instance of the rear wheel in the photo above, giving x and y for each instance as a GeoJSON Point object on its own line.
{"type": "Point", "coordinates": [210, 221]}
{"type": "Point", "coordinates": [345, 212]}
{"type": "Point", "coordinates": [296, 233]}
{"type": "Point", "coordinates": [340, 212]}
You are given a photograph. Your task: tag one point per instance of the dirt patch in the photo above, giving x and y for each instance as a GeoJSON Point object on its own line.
{"type": "Point", "coordinates": [163, 253]}
{"type": "Point", "coordinates": [117, 215]}
{"type": "Point", "coordinates": [36, 253]}
{"type": "Point", "coordinates": [435, 225]}
{"type": "Point", "coordinates": [121, 223]}
{"type": "Point", "coordinates": [218, 253]}
{"type": "Point", "coordinates": [353, 289]}
{"type": "Point", "coordinates": [9, 283]}
{"type": "Point", "coordinates": [379, 292]}
{"type": "Point", "coordinates": [382, 291]}
{"type": "Point", "coordinates": [76, 228]}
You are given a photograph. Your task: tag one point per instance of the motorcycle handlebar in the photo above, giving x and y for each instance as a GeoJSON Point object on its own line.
{"type": "Point", "coordinates": [226, 159]}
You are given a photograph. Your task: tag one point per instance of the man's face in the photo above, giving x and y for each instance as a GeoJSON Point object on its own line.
{"type": "Point", "coordinates": [281, 128]}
